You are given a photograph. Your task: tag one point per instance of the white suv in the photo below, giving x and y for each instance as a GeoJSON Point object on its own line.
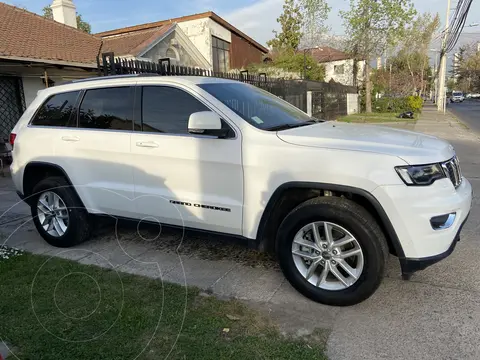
{"type": "Point", "coordinates": [331, 199]}
{"type": "Point", "coordinates": [457, 96]}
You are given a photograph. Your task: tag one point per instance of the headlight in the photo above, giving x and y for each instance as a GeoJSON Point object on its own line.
{"type": "Point", "coordinates": [420, 174]}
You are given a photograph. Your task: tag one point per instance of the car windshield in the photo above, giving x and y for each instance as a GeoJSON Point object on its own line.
{"type": "Point", "coordinates": [259, 108]}
{"type": "Point", "coordinates": [457, 94]}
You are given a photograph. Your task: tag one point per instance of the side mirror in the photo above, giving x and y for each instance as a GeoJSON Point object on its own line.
{"type": "Point", "coordinates": [206, 123]}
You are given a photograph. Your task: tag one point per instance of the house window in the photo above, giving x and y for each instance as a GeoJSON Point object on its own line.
{"type": "Point", "coordinates": [339, 69]}
{"type": "Point", "coordinates": [221, 55]}
{"type": "Point", "coordinates": [173, 54]}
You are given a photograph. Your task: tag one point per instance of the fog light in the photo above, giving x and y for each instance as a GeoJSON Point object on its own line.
{"type": "Point", "coordinates": [443, 221]}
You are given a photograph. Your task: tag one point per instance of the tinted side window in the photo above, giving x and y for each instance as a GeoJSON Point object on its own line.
{"type": "Point", "coordinates": [167, 110]}
{"type": "Point", "coordinates": [56, 111]}
{"type": "Point", "coordinates": [108, 108]}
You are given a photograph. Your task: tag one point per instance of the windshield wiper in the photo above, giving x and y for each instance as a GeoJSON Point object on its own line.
{"type": "Point", "coordinates": [291, 126]}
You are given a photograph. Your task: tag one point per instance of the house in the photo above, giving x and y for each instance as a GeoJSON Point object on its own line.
{"type": "Point", "coordinates": [36, 52]}
{"type": "Point", "coordinates": [339, 66]}
{"type": "Point", "coordinates": [204, 40]}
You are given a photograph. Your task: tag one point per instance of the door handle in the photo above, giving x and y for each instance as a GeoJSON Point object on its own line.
{"type": "Point", "coordinates": [147, 144]}
{"type": "Point", "coordinates": [70, 138]}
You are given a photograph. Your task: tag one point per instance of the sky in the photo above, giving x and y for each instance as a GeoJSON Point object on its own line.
{"type": "Point", "coordinates": [257, 18]}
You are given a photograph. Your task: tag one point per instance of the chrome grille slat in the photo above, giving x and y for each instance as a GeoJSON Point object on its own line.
{"type": "Point", "coordinates": [452, 171]}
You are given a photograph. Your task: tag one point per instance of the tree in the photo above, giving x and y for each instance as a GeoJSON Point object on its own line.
{"type": "Point", "coordinates": [405, 74]}
{"type": "Point", "coordinates": [300, 22]}
{"type": "Point", "coordinates": [415, 47]}
{"type": "Point", "coordinates": [297, 62]}
{"type": "Point", "coordinates": [314, 15]}
{"type": "Point", "coordinates": [291, 66]}
{"type": "Point", "coordinates": [468, 72]}
{"type": "Point", "coordinates": [407, 70]}
{"type": "Point", "coordinates": [290, 21]}
{"type": "Point", "coordinates": [372, 26]}
{"type": "Point", "coordinates": [81, 24]}
{"type": "Point", "coordinates": [451, 84]}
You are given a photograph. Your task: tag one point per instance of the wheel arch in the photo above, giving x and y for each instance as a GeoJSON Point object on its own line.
{"type": "Point", "coordinates": [275, 212]}
{"type": "Point", "coordinates": [36, 171]}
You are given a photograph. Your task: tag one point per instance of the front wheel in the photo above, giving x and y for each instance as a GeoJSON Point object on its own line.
{"type": "Point", "coordinates": [332, 251]}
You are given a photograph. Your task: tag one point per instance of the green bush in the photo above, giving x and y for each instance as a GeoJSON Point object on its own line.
{"type": "Point", "coordinates": [415, 103]}
{"type": "Point", "coordinates": [388, 104]}
{"type": "Point", "coordinates": [398, 105]}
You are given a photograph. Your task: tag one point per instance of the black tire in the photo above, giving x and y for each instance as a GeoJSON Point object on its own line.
{"type": "Point", "coordinates": [78, 229]}
{"type": "Point", "coordinates": [359, 223]}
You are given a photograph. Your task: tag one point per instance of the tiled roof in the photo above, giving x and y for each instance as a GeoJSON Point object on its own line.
{"type": "Point", "coordinates": [26, 35]}
{"type": "Point", "coordinates": [133, 43]}
{"type": "Point", "coordinates": [325, 54]}
{"type": "Point", "coordinates": [208, 14]}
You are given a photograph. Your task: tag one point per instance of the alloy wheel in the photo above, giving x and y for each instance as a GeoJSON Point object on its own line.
{"type": "Point", "coordinates": [52, 214]}
{"type": "Point", "coordinates": [327, 255]}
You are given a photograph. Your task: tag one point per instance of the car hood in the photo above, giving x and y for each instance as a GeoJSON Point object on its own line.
{"type": "Point", "coordinates": [412, 147]}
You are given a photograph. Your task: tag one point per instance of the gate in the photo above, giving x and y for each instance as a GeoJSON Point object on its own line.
{"type": "Point", "coordinates": [329, 100]}
{"type": "Point", "coordinates": [12, 104]}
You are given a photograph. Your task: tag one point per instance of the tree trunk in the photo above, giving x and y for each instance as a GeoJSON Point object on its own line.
{"type": "Point", "coordinates": [422, 83]}
{"type": "Point", "coordinates": [414, 83]}
{"type": "Point", "coordinates": [368, 89]}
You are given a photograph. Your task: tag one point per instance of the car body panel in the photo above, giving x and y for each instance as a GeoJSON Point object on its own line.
{"type": "Point", "coordinates": [413, 147]}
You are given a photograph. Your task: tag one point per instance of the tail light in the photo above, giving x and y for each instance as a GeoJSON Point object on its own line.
{"type": "Point", "coordinates": [12, 138]}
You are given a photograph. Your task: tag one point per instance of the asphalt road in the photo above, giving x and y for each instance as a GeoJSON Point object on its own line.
{"type": "Point", "coordinates": [468, 112]}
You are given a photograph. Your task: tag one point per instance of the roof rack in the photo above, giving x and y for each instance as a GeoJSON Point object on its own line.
{"type": "Point", "coordinates": [112, 77]}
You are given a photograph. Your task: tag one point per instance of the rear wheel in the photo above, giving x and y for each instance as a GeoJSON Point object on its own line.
{"type": "Point", "coordinates": [332, 251]}
{"type": "Point", "coordinates": [58, 214]}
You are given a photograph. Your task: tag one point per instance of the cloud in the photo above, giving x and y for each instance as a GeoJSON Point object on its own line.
{"type": "Point", "coordinates": [257, 20]}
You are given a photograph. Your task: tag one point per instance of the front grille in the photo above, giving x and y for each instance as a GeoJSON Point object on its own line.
{"type": "Point", "coordinates": [453, 172]}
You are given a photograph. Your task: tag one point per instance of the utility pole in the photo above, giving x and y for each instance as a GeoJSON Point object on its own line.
{"type": "Point", "coordinates": [436, 80]}
{"type": "Point", "coordinates": [442, 98]}
{"type": "Point", "coordinates": [304, 64]}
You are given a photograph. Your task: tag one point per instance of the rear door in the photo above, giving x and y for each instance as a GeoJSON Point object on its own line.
{"type": "Point", "coordinates": [184, 179]}
{"type": "Point", "coordinates": [96, 152]}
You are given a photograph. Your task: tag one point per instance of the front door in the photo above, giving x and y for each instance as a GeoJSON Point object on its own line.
{"type": "Point", "coordinates": [183, 179]}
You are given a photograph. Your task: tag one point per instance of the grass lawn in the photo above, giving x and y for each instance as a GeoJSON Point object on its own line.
{"type": "Point", "coordinates": [375, 118]}
{"type": "Point", "coordinates": [59, 309]}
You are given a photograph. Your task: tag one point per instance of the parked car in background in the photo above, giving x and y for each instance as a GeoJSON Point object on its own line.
{"type": "Point", "coordinates": [457, 97]}
{"type": "Point", "coordinates": [475, 96]}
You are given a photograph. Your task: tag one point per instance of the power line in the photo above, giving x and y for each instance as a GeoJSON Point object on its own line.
{"type": "Point", "coordinates": [458, 23]}
{"type": "Point", "coordinates": [451, 35]}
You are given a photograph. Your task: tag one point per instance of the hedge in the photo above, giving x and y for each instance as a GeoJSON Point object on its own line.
{"type": "Point", "coordinates": [398, 105]}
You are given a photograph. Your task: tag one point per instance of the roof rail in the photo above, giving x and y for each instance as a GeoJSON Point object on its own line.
{"type": "Point", "coordinates": [112, 77]}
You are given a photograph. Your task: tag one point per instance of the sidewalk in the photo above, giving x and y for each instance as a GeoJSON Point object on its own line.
{"type": "Point", "coordinates": [445, 126]}
{"type": "Point", "coordinates": [434, 316]}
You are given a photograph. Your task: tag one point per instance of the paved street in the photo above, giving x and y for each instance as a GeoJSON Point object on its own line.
{"type": "Point", "coordinates": [468, 112]}
{"type": "Point", "coordinates": [436, 315]}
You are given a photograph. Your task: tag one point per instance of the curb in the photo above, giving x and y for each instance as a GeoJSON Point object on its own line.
{"type": "Point", "coordinates": [457, 119]}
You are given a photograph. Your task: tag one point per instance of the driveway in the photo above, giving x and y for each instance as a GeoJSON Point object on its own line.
{"type": "Point", "coordinates": [436, 315]}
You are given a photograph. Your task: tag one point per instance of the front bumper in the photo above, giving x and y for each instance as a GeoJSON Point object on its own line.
{"type": "Point", "coordinates": [410, 209]}
{"type": "Point", "coordinates": [411, 265]}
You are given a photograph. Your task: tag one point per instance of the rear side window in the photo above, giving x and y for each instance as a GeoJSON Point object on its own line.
{"type": "Point", "coordinates": [57, 110]}
{"type": "Point", "coordinates": [167, 110]}
{"type": "Point", "coordinates": [108, 108]}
